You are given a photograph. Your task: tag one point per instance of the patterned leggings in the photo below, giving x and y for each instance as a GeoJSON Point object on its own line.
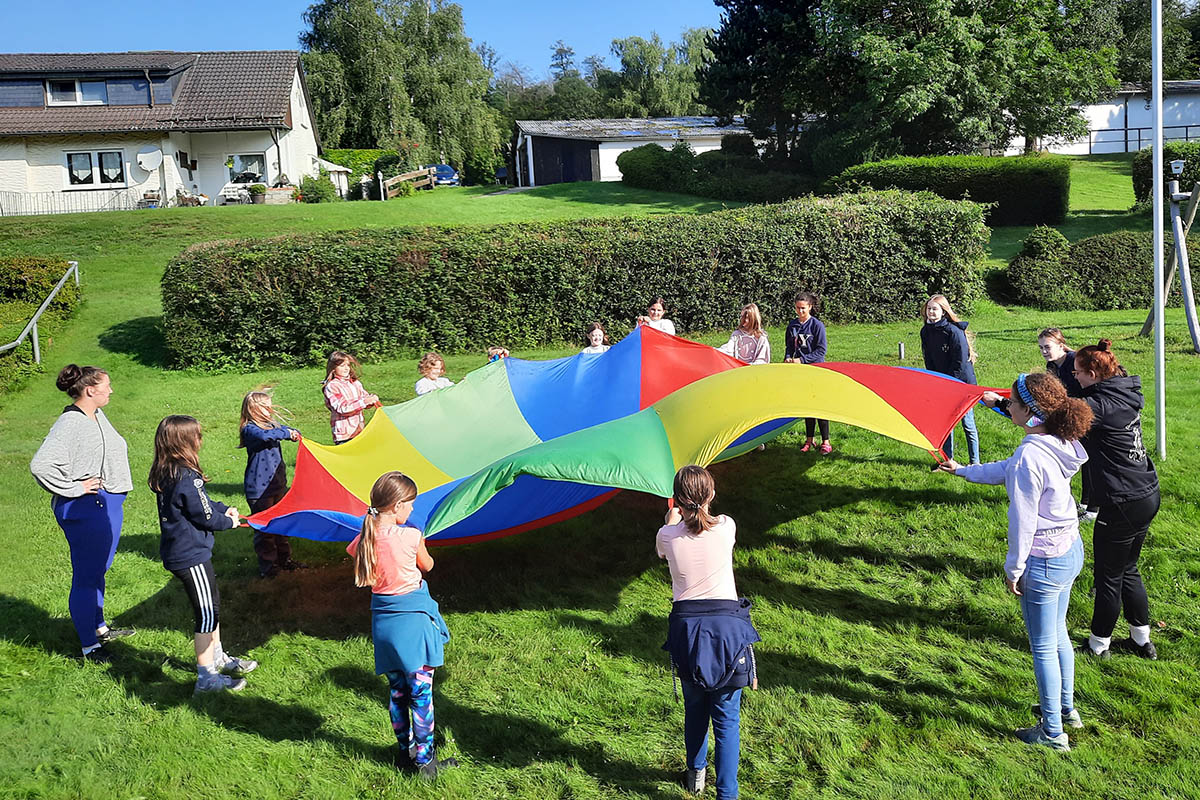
{"type": "Point", "coordinates": [412, 694]}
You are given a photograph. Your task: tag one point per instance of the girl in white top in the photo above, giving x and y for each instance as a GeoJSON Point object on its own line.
{"type": "Point", "coordinates": [654, 317]}
{"type": "Point", "coordinates": [749, 342]}
{"type": "Point", "coordinates": [433, 374]}
{"type": "Point", "coordinates": [698, 547]}
{"type": "Point", "coordinates": [596, 338]}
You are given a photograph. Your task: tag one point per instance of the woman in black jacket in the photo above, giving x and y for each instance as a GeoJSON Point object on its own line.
{"type": "Point", "coordinates": [947, 349]}
{"type": "Point", "coordinates": [1124, 485]}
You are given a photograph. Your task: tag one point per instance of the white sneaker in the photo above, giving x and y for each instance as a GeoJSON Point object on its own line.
{"type": "Point", "coordinates": [221, 683]}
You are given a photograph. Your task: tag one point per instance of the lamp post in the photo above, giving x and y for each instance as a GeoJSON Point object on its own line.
{"type": "Point", "coordinates": [1160, 360]}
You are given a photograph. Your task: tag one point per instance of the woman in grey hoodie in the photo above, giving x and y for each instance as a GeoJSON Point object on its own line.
{"type": "Point", "coordinates": [1045, 552]}
{"type": "Point", "coordinates": [83, 462]}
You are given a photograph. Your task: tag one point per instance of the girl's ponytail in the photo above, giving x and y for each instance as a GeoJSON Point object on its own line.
{"type": "Point", "coordinates": [694, 490]}
{"type": "Point", "coordinates": [364, 556]}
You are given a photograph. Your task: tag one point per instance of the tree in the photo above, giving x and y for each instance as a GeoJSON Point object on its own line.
{"type": "Point", "coordinates": [656, 80]}
{"type": "Point", "coordinates": [592, 67]}
{"type": "Point", "coordinates": [1132, 21]}
{"type": "Point", "coordinates": [327, 89]}
{"type": "Point", "coordinates": [573, 98]}
{"type": "Point", "coordinates": [562, 60]}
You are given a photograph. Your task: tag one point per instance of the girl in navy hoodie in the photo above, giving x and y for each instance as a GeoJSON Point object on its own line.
{"type": "Point", "coordinates": [187, 519]}
{"type": "Point", "coordinates": [804, 343]}
{"type": "Point", "coordinates": [947, 348]}
{"type": "Point", "coordinates": [265, 481]}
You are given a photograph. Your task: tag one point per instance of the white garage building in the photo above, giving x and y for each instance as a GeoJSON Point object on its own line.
{"type": "Point", "coordinates": [561, 151]}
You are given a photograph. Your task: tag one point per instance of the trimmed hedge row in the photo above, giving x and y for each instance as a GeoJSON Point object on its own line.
{"type": "Point", "coordinates": [720, 174]}
{"type": "Point", "coordinates": [24, 284]}
{"type": "Point", "coordinates": [387, 292]}
{"type": "Point", "coordinates": [1022, 190]}
{"type": "Point", "coordinates": [1143, 168]}
{"type": "Point", "coordinates": [361, 162]}
{"type": "Point", "coordinates": [1109, 271]}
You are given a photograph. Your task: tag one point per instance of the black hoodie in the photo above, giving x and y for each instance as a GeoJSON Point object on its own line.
{"type": "Point", "coordinates": [1118, 466]}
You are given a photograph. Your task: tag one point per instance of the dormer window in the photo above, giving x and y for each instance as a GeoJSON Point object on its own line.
{"type": "Point", "coordinates": [76, 93]}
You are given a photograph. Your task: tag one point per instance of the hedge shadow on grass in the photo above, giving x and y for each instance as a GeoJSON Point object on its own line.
{"type": "Point", "coordinates": [512, 740]}
{"type": "Point", "coordinates": [141, 337]}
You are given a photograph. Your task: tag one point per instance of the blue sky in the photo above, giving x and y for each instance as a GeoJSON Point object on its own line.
{"type": "Point", "coordinates": [521, 32]}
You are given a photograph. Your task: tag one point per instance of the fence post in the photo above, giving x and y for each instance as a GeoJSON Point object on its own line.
{"type": "Point", "coordinates": [37, 348]}
{"type": "Point", "coordinates": [382, 188]}
{"type": "Point", "coordinates": [75, 266]}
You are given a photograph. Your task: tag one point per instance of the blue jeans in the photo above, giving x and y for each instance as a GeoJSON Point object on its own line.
{"type": "Point", "coordinates": [724, 708]}
{"type": "Point", "coordinates": [972, 434]}
{"type": "Point", "coordinates": [1045, 594]}
{"type": "Point", "coordinates": [92, 524]}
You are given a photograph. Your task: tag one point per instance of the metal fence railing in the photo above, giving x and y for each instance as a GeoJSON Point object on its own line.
{"type": "Point", "coordinates": [20, 204]}
{"type": "Point", "coordinates": [31, 328]}
{"type": "Point", "coordinates": [1130, 140]}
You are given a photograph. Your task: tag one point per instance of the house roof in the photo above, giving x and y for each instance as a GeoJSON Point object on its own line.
{"type": "Point", "coordinates": [242, 89]}
{"type": "Point", "coordinates": [1169, 87]}
{"type": "Point", "coordinates": [617, 130]}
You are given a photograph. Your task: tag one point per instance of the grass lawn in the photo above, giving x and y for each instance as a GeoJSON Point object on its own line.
{"type": "Point", "coordinates": [893, 662]}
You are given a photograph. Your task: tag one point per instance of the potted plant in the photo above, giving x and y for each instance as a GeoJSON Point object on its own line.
{"type": "Point", "coordinates": [258, 193]}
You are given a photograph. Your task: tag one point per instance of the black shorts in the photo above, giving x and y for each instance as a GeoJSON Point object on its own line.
{"type": "Point", "coordinates": [201, 586]}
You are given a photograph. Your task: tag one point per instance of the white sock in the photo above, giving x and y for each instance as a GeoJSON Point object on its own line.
{"type": "Point", "coordinates": [1099, 643]}
{"type": "Point", "coordinates": [87, 650]}
{"type": "Point", "coordinates": [1140, 634]}
{"type": "Point", "coordinates": [103, 629]}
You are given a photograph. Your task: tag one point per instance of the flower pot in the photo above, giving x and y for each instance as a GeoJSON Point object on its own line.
{"type": "Point", "coordinates": [258, 199]}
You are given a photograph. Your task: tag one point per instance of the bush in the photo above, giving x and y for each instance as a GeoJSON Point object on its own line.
{"type": "Point", "coordinates": [318, 190]}
{"type": "Point", "coordinates": [258, 188]}
{"type": "Point", "coordinates": [716, 174]}
{"type": "Point", "coordinates": [1109, 271]}
{"type": "Point", "coordinates": [1022, 190]}
{"type": "Point", "coordinates": [1143, 168]}
{"type": "Point", "coordinates": [739, 144]}
{"type": "Point", "coordinates": [24, 284]}
{"type": "Point", "coordinates": [360, 162]}
{"type": "Point", "coordinates": [385, 292]}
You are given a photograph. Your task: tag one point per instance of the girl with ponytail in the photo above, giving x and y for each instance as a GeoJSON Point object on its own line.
{"type": "Point", "coordinates": [1045, 552]}
{"type": "Point", "coordinates": [709, 634]}
{"type": "Point", "coordinates": [406, 626]}
{"type": "Point", "coordinates": [1123, 483]}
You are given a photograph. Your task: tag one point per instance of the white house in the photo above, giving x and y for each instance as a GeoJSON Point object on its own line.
{"type": "Point", "coordinates": [560, 151]}
{"type": "Point", "coordinates": [1125, 124]}
{"type": "Point", "coordinates": [79, 131]}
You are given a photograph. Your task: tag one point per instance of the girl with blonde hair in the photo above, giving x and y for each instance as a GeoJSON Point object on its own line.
{"type": "Point", "coordinates": [406, 625]}
{"type": "Point", "coordinates": [749, 341]}
{"type": "Point", "coordinates": [949, 349]}
{"type": "Point", "coordinates": [260, 431]}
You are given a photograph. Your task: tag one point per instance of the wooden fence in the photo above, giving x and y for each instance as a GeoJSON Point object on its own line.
{"type": "Point", "coordinates": [420, 179]}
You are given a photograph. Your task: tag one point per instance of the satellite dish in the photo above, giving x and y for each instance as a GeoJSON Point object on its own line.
{"type": "Point", "coordinates": [149, 158]}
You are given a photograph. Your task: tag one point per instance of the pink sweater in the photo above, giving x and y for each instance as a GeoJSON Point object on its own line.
{"type": "Point", "coordinates": [345, 400]}
{"type": "Point", "coordinates": [701, 565]}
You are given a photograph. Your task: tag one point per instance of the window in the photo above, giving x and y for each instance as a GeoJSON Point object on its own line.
{"type": "Point", "coordinates": [76, 93]}
{"type": "Point", "coordinates": [95, 169]}
{"type": "Point", "coordinates": [247, 168]}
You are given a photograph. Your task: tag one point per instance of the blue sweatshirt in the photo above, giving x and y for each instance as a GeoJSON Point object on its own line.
{"type": "Point", "coordinates": [265, 474]}
{"type": "Point", "coordinates": [944, 345]}
{"type": "Point", "coordinates": [805, 341]}
{"type": "Point", "coordinates": [711, 642]}
{"type": "Point", "coordinates": [186, 520]}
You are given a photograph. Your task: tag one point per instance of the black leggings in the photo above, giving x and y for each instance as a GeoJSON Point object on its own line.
{"type": "Point", "coordinates": [810, 425]}
{"type": "Point", "coordinates": [201, 586]}
{"type": "Point", "coordinates": [1117, 542]}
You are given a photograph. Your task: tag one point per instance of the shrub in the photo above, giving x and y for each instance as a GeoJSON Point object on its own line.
{"type": "Point", "coordinates": [739, 144]}
{"type": "Point", "coordinates": [258, 188]}
{"type": "Point", "coordinates": [360, 162]}
{"type": "Point", "coordinates": [392, 164]}
{"type": "Point", "coordinates": [716, 174]}
{"type": "Point", "coordinates": [1038, 276]}
{"type": "Point", "coordinates": [1022, 190]}
{"type": "Point", "coordinates": [24, 284]}
{"type": "Point", "coordinates": [1143, 168]}
{"type": "Point", "coordinates": [644, 167]}
{"type": "Point", "coordinates": [318, 190]}
{"type": "Point", "coordinates": [391, 291]}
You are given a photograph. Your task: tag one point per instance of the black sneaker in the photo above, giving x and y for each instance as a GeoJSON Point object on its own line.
{"type": "Point", "coordinates": [430, 769]}
{"type": "Point", "coordinates": [114, 633]}
{"type": "Point", "coordinates": [97, 656]}
{"type": "Point", "coordinates": [1085, 649]}
{"type": "Point", "coordinates": [292, 566]}
{"type": "Point", "coordinates": [269, 572]}
{"type": "Point", "coordinates": [1147, 650]}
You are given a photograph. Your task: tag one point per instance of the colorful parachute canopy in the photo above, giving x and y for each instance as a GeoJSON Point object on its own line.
{"type": "Point", "coordinates": [522, 444]}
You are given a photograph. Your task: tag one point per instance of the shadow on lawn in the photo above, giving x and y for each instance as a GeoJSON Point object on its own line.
{"type": "Point", "coordinates": [141, 337]}
{"type": "Point", "coordinates": [511, 740]}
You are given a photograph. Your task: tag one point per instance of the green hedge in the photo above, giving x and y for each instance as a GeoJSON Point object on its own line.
{"type": "Point", "coordinates": [24, 284]}
{"type": "Point", "coordinates": [1143, 168]}
{"type": "Point", "coordinates": [720, 174]}
{"type": "Point", "coordinates": [383, 292]}
{"type": "Point", "coordinates": [1023, 190]}
{"type": "Point", "coordinates": [361, 162]}
{"type": "Point", "coordinates": [1109, 271]}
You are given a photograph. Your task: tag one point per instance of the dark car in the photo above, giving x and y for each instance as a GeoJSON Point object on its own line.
{"type": "Point", "coordinates": [445, 175]}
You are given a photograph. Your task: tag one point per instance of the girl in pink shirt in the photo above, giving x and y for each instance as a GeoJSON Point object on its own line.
{"type": "Point", "coordinates": [345, 396]}
{"type": "Point", "coordinates": [406, 626]}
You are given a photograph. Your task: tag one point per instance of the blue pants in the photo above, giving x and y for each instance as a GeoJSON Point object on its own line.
{"type": "Point", "coordinates": [1045, 594]}
{"type": "Point", "coordinates": [972, 434]}
{"type": "Point", "coordinates": [724, 708]}
{"type": "Point", "coordinates": [92, 524]}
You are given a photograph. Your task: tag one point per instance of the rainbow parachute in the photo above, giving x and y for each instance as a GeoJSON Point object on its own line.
{"type": "Point", "coordinates": [522, 444]}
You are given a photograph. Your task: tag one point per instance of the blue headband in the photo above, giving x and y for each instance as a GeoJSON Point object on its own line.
{"type": "Point", "coordinates": [1031, 404]}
